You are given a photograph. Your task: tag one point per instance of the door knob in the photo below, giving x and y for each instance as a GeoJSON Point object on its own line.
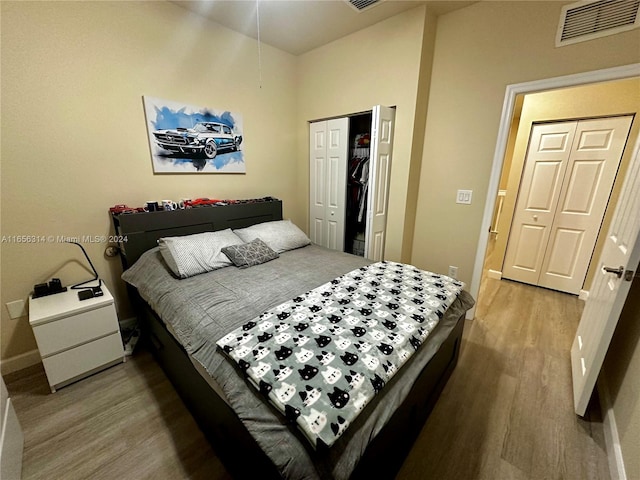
{"type": "Point", "coordinates": [535, 217]}
{"type": "Point", "coordinates": [618, 271]}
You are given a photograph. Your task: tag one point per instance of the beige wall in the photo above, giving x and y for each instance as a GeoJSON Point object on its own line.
{"type": "Point", "coordinates": [74, 139]}
{"type": "Point", "coordinates": [479, 51]}
{"type": "Point", "coordinates": [378, 65]}
{"type": "Point", "coordinates": [511, 142]}
{"type": "Point", "coordinates": [603, 99]}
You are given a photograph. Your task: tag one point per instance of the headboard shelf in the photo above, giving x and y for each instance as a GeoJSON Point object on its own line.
{"type": "Point", "coordinates": [140, 231]}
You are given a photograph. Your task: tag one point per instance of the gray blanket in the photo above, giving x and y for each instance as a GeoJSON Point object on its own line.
{"type": "Point", "coordinates": [202, 309]}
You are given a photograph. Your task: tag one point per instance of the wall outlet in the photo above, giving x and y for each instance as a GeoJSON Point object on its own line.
{"type": "Point", "coordinates": [17, 309]}
{"type": "Point", "coordinates": [453, 271]}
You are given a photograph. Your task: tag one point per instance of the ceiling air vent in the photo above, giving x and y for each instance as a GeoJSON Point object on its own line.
{"type": "Point", "coordinates": [591, 19]}
{"type": "Point", "coordinates": [361, 5]}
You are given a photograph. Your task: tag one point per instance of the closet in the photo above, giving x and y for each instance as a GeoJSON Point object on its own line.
{"type": "Point", "coordinates": [567, 179]}
{"type": "Point", "coordinates": [350, 162]}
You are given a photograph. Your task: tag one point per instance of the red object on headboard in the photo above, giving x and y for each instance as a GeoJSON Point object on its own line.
{"type": "Point", "coordinates": [202, 201]}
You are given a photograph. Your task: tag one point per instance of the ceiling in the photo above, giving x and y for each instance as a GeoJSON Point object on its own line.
{"type": "Point", "coordinates": [297, 26]}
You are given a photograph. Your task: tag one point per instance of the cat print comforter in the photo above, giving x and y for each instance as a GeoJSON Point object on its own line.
{"type": "Point", "coordinates": [321, 357]}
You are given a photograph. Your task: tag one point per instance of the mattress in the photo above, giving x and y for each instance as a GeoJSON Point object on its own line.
{"type": "Point", "coordinates": [202, 309]}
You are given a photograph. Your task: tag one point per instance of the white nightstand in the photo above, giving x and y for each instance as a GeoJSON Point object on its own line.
{"type": "Point", "coordinates": [75, 337]}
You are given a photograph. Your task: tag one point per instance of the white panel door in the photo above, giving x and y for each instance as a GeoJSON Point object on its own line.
{"type": "Point", "coordinates": [336, 181]}
{"type": "Point", "coordinates": [317, 186]}
{"type": "Point", "coordinates": [619, 259]}
{"type": "Point", "coordinates": [382, 126]}
{"type": "Point", "coordinates": [592, 168]}
{"type": "Point", "coordinates": [544, 168]}
{"type": "Point", "coordinates": [328, 176]}
{"type": "Point", "coordinates": [569, 171]}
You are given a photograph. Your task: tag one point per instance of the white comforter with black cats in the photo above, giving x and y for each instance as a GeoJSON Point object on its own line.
{"type": "Point", "coordinates": [323, 356]}
{"type": "Point", "coordinates": [202, 309]}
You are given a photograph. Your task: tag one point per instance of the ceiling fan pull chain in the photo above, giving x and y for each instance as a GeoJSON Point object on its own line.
{"type": "Point", "coordinates": [259, 44]}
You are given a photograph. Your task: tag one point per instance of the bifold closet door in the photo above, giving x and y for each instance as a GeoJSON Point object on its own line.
{"type": "Point", "coordinates": [382, 127]}
{"type": "Point", "coordinates": [566, 183]}
{"type": "Point", "coordinates": [328, 181]}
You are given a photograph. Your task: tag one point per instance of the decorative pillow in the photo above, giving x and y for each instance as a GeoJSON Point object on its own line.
{"type": "Point", "coordinates": [250, 254]}
{"type": "Point", "coordinates": [280, 235]}
{"type": "Point", "coordinates": [194, 254]}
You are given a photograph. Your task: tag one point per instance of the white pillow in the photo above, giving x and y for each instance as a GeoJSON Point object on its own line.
{"type": "Point", "coordinates": [280, 235]}
{"type": "Point", "coordinates": [194, 254]}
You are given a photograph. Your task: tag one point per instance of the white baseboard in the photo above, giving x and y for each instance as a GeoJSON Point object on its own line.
{"type": "Point", "coordinates": [494, 274]}
{"type": "Point", "coordinates": [583, 295]}
{"type": "Point", "coordinates": [24, 360]}
{"type": "Point", "coordinates": [611, 436]}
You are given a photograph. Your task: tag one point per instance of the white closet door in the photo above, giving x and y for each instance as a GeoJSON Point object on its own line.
{"type": "Point", "coordinates": [566, 183]}
{"type": "Point", "coordinates": [544, 168]}
{"type": "Point", "coordinates": [317, 187]}
{"type": "Point", "coordinates": [593, 165]}
{"type": "Point", "coordinates": [328, 185]}
{"type": "Point", "coordinates": [382, 126]}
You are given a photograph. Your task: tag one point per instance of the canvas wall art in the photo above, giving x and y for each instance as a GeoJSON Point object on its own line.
{"type": "Point", "coordinates": [188, 139]}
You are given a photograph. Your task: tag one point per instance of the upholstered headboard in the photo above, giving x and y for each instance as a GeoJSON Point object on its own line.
{"type": "Point", "coordinates": [140, 231]}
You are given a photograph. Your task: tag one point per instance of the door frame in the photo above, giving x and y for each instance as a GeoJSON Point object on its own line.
{"type": "Point", "coordinates": [596, 76]}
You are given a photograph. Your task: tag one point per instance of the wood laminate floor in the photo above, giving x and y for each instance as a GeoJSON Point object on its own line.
{"type": "Point", "coordinates": [507, 411]}
{"type": "Point", "coordinates": [505, 414]}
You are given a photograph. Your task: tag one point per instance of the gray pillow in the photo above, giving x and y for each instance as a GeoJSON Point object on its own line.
{"type": "Point", "coordinates": [249, 254]}
{"type": "Point", "coordinates": [194, 254]}
{"type": "Point", "coordinates": [280, 235]}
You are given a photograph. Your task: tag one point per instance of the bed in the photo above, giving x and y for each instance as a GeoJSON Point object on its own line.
{"type": "Point", "coordinates": [252, 437]}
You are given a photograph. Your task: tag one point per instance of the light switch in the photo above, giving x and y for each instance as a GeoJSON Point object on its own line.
{"type": "Point", "coordinates": [464, 196]}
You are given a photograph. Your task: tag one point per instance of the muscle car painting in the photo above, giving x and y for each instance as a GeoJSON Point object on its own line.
{"type": "Point", "coordinates": [187, 139]}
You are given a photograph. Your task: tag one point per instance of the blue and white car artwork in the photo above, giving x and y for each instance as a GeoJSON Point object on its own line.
{"type": "Point", "coordinates": [205, 138]}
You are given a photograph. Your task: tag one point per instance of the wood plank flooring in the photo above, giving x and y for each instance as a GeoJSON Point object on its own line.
{"type": "Point", "coordinates": [126, 422]}
{"type": "Point", "coordinates": [505, 414]}
{"type": "Point", "coordinates": [507, 411]}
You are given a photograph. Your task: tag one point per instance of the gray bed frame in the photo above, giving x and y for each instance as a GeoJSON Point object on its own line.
{"type": "Point", "coordinates": [384, 455]}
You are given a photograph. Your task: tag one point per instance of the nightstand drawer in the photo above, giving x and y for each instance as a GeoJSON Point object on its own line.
{"type": "Point", "coordinates": [62, 334]}
{"type": "Point", "coordinates": [83, 359]}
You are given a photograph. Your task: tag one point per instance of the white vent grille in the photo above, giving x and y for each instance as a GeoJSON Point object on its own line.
{"type": "Point", "coordinates": [361, 5]}
{"type": "Point", "coordinates": [591, 19]}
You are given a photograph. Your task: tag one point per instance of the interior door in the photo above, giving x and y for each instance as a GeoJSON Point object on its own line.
{"type": "Point", "coordinates": [619, 259]}
{"type": "Point", "coordinates": [328, 181]}
{"type": "Point", "coordinates": [382, 126]}
{"type": "Point", "coordinates": [568, 175]}
{"type": "Point", "coordinates": [317, 187]}
{"type": "Point", "coordinates": [544, 169]}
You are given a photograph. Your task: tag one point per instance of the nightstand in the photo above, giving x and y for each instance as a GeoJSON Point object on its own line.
{"type": "Point", "coordinates": [75, 337]}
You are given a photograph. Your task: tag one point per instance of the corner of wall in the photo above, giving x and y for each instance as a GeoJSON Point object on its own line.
{"type": "Point", "coordinates": [420, 122]}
